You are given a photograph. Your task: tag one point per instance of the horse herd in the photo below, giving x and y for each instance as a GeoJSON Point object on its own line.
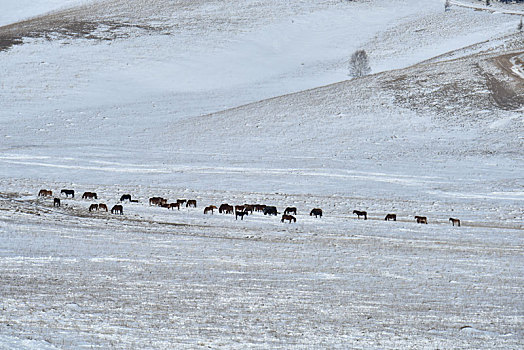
{"type": "Point", "coordinates": [238, 210]}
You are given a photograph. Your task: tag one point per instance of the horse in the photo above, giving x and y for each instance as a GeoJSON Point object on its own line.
{"type": "Point", "coordinates": [68, 192]}
{"type": "Point", "coordinates": [225, 208]}
{"type": "Point", "coordinates": [157, 201]}
{"type": "Point", "coordinates": [455, 221]}
{"type": "Point", "coordinates": [361, 213]}
{"type": "Point", "coordinates": [56, 202]}
{"type": "Point", "coordinates": [316, 211]}
{"type": "Point", "coordinates": [421, 219]}
{"type": "Point", "coordinates": [89, 195]}
{"type": "Point", "coordinates": [241, 214]}
{"type": "Point", "coordinates": [191, 203]}
{"type": "Point", "coordinates": [249, 208]}
{"type": "Point", "coordinates": [391, 217]}
{"type": "Point", "coordinates": [270, 210]}
{"type": "Point", "coordinates": [102, 206]}
{"type": "Point", "coordinates": [117, 209]}
{"type": "Point", "coordinates": [173, 205]}
{"type": "Point", "coordinates": [239, 207]}
{"type": "Point", "coordinates": [181, 201]}
{"type": "Point", "coordinates": [289, 218]}
{"type": "Point", "coordinates": [211, 208]}
{"type": "Point", "coordinates": [45, 193]}
{"type": "Point", "coordinates": [93, 207]}
{"type": "Point", "coordinates": [259, 207]}
{"type": "Point", "coordinates": [290, 210]}
{"type": "Point", "coordinates": [125, 197]}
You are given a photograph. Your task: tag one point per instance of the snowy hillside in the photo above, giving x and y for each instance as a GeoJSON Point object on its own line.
{"type": "Point", "coordinates": [249, 102]}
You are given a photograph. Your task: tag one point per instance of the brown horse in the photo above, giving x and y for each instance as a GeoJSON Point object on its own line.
{"type": "Point", "coordinates": [89, 195]}
{"type": "Point", "coordinates": [249, 208]}
{"type": "Point", "coordinates": [290, 210]}
{"type": "Point", "coordinates": [316, 211]}
{"type": "Point", "coordinates": [391, 217]}
{"type": "Point", "coordinates": [56, 202]}
{"type": "Point", "coordinates": [226, 209]}
{"type": "Point", "coordinates": [117, 209]}
{"type": "Point", "coordinates": [157, 201]}
{"type": "Point", "coordinates": [93, 207]}
{"type": "Point", "coordinates": [259, 207]}
{"type": "Point", "coordinates": [289, 218]}
{"type": "Point", "coordinates": [45, 193]}
{"type": "Point", "coordinates": [102, 206]}
{"type": "Point", "coordinates": [241, 214]}
{"type": "Point", "coordinates": [181, 201]}
{"type": "Point", "coordinates": [421, 219]}
{"type": "Point", "coordinates": [191, 203]}
{"type": "Point", "coordinates": [361, 213]}
{"type": "Point", "coordinates": [455, 221]}
{"type": "Point", "coordinates": [239, 207]}
{"type": "Point", "coordinates": [211, 208]}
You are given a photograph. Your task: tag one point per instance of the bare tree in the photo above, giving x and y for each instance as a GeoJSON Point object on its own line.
{"type": "Point", "coordinates": [359, 64]}
{"type": "Point", "coordinates": [519, 27]}
{"type": "Point", "coordinates": [447, 5]}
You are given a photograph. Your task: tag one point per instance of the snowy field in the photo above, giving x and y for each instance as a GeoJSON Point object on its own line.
{"type": "Point", "coordinates": [248, 102]}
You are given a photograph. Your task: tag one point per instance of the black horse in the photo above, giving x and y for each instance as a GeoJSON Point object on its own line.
{"type": "Point", "coordinates": [241, 214]}
{"type": "Point", "coordinates": [270, 210]}
{"type": "Point", "coordinates": [68, 192]}
{"type": "Point", "coordinates": [391, 217]}
{"type": "Point", "coordinates": [361, 213]}
{"type": "Point", "coordinates": [316, 211]}
{"type": "Point", "coordinates": [125, 197]}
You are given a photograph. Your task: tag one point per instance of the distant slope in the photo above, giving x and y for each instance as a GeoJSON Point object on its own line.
{"type": "Point", "coordinates": [458, 108]}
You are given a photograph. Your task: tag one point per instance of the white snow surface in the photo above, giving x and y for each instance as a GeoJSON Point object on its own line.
{"type": "Point", "coordinates": [247, 102]}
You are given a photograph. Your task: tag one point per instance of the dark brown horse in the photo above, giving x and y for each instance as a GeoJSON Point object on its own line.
{"type": "Point", "coordinates": [289, 218]}
{"type": "Point", "coordinates": [181, 201]}
{"type": "Point", "coordinates": [102, 206]}
{"type": "Point", "coordinates": [316, 211]}
{"type": "Point", "coordinates": [117, 209]}
{"type": "Point", "coordinates": [89, 195]}
{"type": "Point", "coordinates": [290, 210]}
{"type": "Point", "coordinates": [93, 207]}
{"type": "Point", "coordinates": [211, 208]}
{"type": "Point", "coordinates": [68, 192]}
{"type": "Point", "coordinates": [191, 203]}
{"type": "Point", "coordinates": [226, 209]}
{"type": "Point", "coordinates": [173, 205]}
{"type": "Point", "coordinates": [259, 207]}
{"type": "Point", "coordinates": [45, 193]}
{"type": "Point", "coordinates": [249, 208]}
{"type": "Point", "coordinates": [56, 202]}
{"type": "Point", "coordinates": [455, 221]}
{"type": "Point", "coordinates": [421, 219]}
{"type": "Point", "coordinates": [391, 217]}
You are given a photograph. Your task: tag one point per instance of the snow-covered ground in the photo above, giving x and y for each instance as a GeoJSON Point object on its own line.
{"type": "Point", "coordinates": [220, 101]}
